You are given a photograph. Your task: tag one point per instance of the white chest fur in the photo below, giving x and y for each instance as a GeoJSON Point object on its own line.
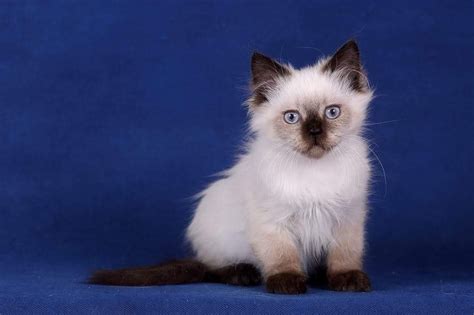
{"type": "Point", "coordinates": [298, 181]}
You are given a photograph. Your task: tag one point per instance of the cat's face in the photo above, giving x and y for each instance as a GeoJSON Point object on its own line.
{"type": "Point", "coordinates": [310, 110]}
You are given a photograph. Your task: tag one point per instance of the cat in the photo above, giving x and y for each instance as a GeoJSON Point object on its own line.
{"type": "Point", "coordinates": [296, 199]}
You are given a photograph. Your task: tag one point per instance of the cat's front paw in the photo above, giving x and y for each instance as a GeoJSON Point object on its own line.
{"type": "Point", "coordinates": [353, 280]}
{"type": "Point", "coordinates": [286, 283]}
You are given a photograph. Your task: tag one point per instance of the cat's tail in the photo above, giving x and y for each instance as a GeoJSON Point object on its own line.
{"type": "Point", "coordinates": [172, 272]}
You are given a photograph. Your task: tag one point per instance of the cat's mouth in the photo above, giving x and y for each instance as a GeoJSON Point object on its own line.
{"type": "Point", "coordinates": [317, 150]}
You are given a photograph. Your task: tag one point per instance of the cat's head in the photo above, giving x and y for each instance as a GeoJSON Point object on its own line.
{"type": "Point", "coordinates": [310, 110]}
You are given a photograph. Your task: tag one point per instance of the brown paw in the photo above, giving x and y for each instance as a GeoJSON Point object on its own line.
{"type": "Point", "coordinates": [246, 275]}
{"type": "Point", "coordinates": [287, 283]}
{"type": "Point", "coordinates": [354, 280]}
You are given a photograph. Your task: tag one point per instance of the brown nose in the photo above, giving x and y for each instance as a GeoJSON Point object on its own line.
{"type": "Point", "coordinates": [315, 130]}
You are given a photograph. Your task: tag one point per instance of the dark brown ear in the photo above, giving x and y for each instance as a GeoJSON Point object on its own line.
{"type": "Point", "coordinates": [265, 73]}
{"type": "Point", "coordinates": [347, 60]}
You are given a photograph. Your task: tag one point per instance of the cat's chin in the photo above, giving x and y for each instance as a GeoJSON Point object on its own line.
{"type": "Point", "coordinates": [315, 152]}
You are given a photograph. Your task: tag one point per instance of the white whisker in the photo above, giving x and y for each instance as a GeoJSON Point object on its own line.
{"type": "Point", "coordinates": [382, 122]}
{"type": "Point", "coordinates": [383, 170]}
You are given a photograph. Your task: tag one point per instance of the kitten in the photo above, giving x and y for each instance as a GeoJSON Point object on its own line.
{"type": "Point", "coordinates": [296, 199]}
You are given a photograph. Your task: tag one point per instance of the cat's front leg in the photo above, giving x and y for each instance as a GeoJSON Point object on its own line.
{"type": "Point", "coordinates": [344, 260]}
{"type": "Point", "coordinates": [279, 260]}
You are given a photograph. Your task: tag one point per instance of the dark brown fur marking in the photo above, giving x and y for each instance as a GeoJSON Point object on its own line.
{"type": "Point", "coordinates": [178, 272]}
{"type": "Point", "coordinates": [312, 122]}
{"type": "Point", "coordinates": [173, 272]}
{"type": "Point", "coordinates": [265, 72]}
{"type": "Point", "coordinates": [353, 280]}
{"type": "Point", "coordinates": [287, 283]}
{"type": "Point", "coordinates": [347, 59]}
{"type": "Point", "coordinates": [240, 274]}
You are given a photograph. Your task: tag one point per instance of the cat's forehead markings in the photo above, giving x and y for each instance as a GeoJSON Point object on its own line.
{"type": "Point", "coordinates": [311, 106]}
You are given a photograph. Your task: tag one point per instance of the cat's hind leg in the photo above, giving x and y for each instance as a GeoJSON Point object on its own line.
{"type": "Point", "coordinates": [238, 274]}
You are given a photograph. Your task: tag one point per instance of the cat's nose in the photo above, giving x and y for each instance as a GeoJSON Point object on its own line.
{"type": "Point", "coordinates": [314, 131]}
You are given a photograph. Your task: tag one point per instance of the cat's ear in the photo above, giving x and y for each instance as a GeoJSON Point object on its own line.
{"type": "Point", "coordinates": [347, 61]}
{"type": "Point", "coordinates": [265, 75]}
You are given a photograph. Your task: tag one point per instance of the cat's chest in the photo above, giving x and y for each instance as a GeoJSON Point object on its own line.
{"type": "Point", "coordinates": [283, 181]}
{"type": "Point", "coordinates": [317, 187]}
{"type": "Point", "coordinates": [313, 228]}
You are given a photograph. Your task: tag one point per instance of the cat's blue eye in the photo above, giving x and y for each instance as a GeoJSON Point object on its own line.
{"type": "Point", "coordinates": [291, 117]}
{"type": "Point", "coordinates": [332, 112]}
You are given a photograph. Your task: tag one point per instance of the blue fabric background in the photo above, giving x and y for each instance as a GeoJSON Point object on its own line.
{"type": "Point", "coordinates": [113, 113]}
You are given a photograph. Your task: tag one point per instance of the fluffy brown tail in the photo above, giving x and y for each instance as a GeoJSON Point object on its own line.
{"type": "Point", "coordinates": [172, 272]}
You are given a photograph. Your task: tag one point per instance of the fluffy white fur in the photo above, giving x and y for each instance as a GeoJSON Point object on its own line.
{"type": "Point", "coordinates": [275, 195]}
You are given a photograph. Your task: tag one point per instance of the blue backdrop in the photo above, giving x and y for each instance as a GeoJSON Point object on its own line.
{"type": "Point", "coordinates": [114, 113]}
